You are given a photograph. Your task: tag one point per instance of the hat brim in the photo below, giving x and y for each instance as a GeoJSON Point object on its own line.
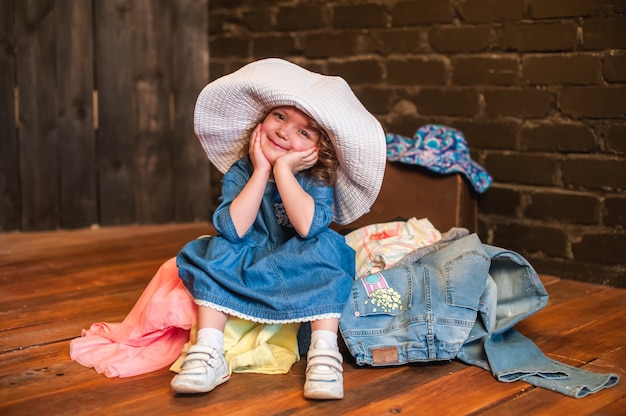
{"type": "Point", "coordinates": [228, 107]}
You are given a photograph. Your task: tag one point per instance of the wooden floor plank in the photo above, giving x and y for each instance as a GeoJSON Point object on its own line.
{"type": "Point", "coordinates": [453, 394]}
{"type": "Point", "coordinates": [569, 338]}
{"type": "Point", "coordinates": [54, 284]}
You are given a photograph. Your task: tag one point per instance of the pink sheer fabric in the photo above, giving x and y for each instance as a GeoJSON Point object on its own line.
{"type": "Point", "coordinates": [149, 338]}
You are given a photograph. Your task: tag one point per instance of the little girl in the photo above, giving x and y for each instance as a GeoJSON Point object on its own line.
{"type": "Point", "coordinates": [316, 156]}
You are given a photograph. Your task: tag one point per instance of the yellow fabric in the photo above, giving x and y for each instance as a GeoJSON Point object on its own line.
{"type": "Point", "coordinates": [252, 347]}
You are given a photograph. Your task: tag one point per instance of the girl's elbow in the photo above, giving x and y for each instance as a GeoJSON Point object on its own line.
{"type": "Point", "coordinates": [302, 229]}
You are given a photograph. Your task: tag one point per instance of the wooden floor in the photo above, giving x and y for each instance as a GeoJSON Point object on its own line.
{"type": "Point", "coordinates": [56, 283]}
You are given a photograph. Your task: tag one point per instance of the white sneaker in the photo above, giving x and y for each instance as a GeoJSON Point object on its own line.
{"type": "Point", "coordinates": [203, 369]}
{"type": "Point", "coordinates": [324, 372]}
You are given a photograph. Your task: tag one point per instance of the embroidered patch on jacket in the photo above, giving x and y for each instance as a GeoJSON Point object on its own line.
{"type": "Point", "coordinates": [380, 294]}
{"type": "Point", "coordinates": [281, 214]}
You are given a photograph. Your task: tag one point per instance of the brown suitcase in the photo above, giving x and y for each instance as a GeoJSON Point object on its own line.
{"type": "Point", "coordinates": [412, 191]}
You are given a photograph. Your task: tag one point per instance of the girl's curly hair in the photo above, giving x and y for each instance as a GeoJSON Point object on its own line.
{"type": "Point", "coordinates": [325, 170]}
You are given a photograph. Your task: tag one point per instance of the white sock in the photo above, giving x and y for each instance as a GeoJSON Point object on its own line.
{"type": "Point", "coordinates": [211, 337]}
{"type": "Point", "coordinates": [329, 336]}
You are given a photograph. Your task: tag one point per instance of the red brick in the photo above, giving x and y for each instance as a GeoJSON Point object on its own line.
{"type": "Point", "coordinates": [357, 72]}
{"type": "Point", "coordinates": [605, 33]}
{"type": "Point", "coordinates": [615, 67]}
{"type": "Point", "coordinates": [218, 4]}
{"type": "Point", "coordinates": [404, 13]}
{"type": "Point", "coordinates": [500, 200]}
{"type": "Point", "coordinates": [562, 69]}
{"type": "Point", "coordinates": [416, 71]}
{"type": "Point", "coordinates": [594, 102]}
{"type": "Point", "coordinates": [409, 40]}
{"type": "Point", "coordinates": [522, 168]}
{"type": "Point", "coordinates": [527, 37]}
{"type": "Point", "coordinates": [216, 22]}
{"type": "Point", "coordinates": [531, 238]}
{"type": "Point", "coordinates": [375, 99]}
{"type": "Point", "coordinates": [489, 134]}
{"type": "Point", "coordinates": [359, 16]}
{"type": "Point", "coordinates": [408, 124]}
{"type": "Point", "coordinates": [323, 45]}
{"type": "Point", "coordinates": [446, 101]}
{"type": "Point", "coordinates": [314, 66]}
{"type": "Point", "coordinates": [518, 103]}
{"type": "Point", "coordinates": [615, 138]}
{"type": "Point", "coordinates": [491, 10]}
{"type": "Point", "coordinates": [606, 248]}
{"type": "Point", "coordinates": [256, 3]}
{"type": "Point", "coordinates": [258, 20]}
{"type": "Point", "coordinates": [216, 69]}
{"type": "Point", "coordinates": [487, 69]}
{"type": "Point", "coordinates": [555, 137]}
{"type": "Point", "coordinates": [565, 8]}
{"type": "Point", "coordinates": [223, 46]}
{"type": "Point", "coordinates": [619, 6]}
{"type": "Point", "coordinates": [301, 17]}
{"type": "Point", "coordinates": [615, 211]}
{"type": "Point", "coordinates": [597, 273]}
{"type": "Point", "coordinates": [593, 172]}
{"type": "Point", "coordinates": [460, 39]}
{"type": "Point", "coordinates": [560, 206]}
{"type": "Point", "coordinates": [266, 46]}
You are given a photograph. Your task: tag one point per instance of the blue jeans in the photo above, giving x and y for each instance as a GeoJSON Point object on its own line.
{"type": "Point", "coordinates": [458, 299]}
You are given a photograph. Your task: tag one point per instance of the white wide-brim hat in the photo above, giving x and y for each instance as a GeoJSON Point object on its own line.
{"type": "Point", "coordinates": [228, 107]}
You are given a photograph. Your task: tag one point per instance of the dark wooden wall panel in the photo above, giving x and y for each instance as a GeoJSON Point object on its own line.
{"type": "Point", "coordinates": [77, 157]}
{"type": "Point", "coordinates": [190, 72]}
{"type": "Point", "coordinates": [106, 91]}
{"type": "Point", "coordinates": [113, 35]}
{"type": "Point", "coordinates": [10, 202]}
{"type": "Point", "coordinates": [38, 129]}
{"type": "Point", "coordinates": [151, 69]}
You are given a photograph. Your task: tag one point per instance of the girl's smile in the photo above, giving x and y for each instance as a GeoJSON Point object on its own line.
{"type": "Point", "coordinates": [286, 129]}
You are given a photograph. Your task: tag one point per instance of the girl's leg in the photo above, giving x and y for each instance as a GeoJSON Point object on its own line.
{"type": "Point", "coordinates": [325, 329]}
{"type": "Point", "coordinates": [211, 325]}
{"type": "Point", "coordinates": [204, 367]}
{"type": "Point", "coordinates": [210, 318]}
{"type": "Point", "coordinates": [324, 378]}
{"type": "Point", "coordinates": [330, 324]}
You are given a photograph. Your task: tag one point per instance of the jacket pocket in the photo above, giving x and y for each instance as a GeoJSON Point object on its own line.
{"type": "Point", "coordinates": [466, 277]}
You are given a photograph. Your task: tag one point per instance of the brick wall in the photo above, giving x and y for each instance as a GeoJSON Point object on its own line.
{"type": "Point", "coordinates": [537, 86]}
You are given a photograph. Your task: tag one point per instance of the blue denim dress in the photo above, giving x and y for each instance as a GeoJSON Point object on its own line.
{"type": "Point", "coordinates": [271, 274]}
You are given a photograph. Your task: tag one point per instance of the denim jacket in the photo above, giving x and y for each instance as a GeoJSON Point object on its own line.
{"type": "Point", "coordinates": [458, 298]}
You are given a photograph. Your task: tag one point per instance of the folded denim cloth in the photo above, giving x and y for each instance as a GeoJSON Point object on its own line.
{"type": "Point", "coordinates": [458, 298]}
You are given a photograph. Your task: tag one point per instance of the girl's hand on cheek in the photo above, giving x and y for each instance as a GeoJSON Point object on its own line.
{"type": "Point", "coordinates": [299, 161]}
{"type": "Point", "coordinates": [259, 161]}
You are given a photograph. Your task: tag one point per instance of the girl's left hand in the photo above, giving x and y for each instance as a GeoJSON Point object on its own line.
{"type": "Point", "coordinates": [299, 161]}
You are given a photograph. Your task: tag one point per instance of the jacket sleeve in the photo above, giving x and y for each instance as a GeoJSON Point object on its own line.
{"type": "Point", "coordinates": [323, 198]}
{"type": "Point", "coordinates": [233, 182]}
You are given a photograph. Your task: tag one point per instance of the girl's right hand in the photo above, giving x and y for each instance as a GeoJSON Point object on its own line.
{"type": "Point", "coordinates": [259, 161]}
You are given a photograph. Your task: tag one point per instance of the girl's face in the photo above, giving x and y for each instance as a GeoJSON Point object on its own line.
{"type": "Point", "coordinates": [286, 129]}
